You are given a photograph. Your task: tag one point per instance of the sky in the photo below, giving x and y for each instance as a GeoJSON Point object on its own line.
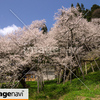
{"type": "Point", "coordinates": [31, 10]}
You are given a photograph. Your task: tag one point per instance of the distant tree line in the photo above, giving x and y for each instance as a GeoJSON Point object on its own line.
{"type": "Point", "coordinates": [94, 12]}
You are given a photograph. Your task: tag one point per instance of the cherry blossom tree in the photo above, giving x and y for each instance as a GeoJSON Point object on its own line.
{"type": "Point", "coordinates": [74, 34]}
{"type": "Point", "coordinates": [64, 47]}
{"type": "Point", "coordinates": [14, 48]}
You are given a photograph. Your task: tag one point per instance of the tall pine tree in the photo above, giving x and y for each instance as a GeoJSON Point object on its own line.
{"type": "Point", "coordinates": [45, 29]}
{"type": "Point", "coordinates": [72, 5]}
{"type": "Point", "coordinates": [79, 7]}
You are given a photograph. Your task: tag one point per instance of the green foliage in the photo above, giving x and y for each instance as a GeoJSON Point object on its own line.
{"type": "Point", "coordinates": [87, 99]}
{"type": "Point", "coordinates": [94, 7]}
{"type": "Point", "coordinates": [4, 86]}
{"type": "Point", "coordinates": [89, 14]}
{"type": "Point", "coordinates": [45, 30]}
{"type": "Point", "coordinates": [82, 8]}
{"type": "Point", "coordinates": [72, 5]}
{"type": "Point", "coordinates": [79, 7]}
{"type": "Point", "coordinates": [96, 13]}
{"type": "Point", "coordinates": [67, 91]}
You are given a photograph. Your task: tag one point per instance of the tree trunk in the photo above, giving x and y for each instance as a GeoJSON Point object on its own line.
{"type": "Point", "coordinates": [96, 64]}
{"type": "Point", "coordinates": [47, 73]}
{"type": "Point", "coordinates": [77, 72]}
{"type": "Point", "coordinates": [22, 81]}
{"type": "Point", "coordinates": [81, 67]}
{"type": "Point", "coordinates": [70, 73]}
{"type": "Point", "coordinates": [57, 77]}
{"type": "Point", "coordinates": [92, 67]}
{"type": "Point", "coordinates": [43, 81]}
{"type": "Point", "coordinates": [40, 82]}
{"type": "Point", "coordinates": [86, 68]}
{"type": "Point", "coordinates": [60, 77]}
{"type": "Point", "coordinates": [37, 84]}
{"type": "Point", "coordinates": [67, 78]}
{"type": "Point", "coordinates": [64, 75]}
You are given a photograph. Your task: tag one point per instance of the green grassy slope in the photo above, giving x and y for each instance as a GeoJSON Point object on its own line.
{"type": "Point", "coordinates": [74, 91]}
{"type": "Point", "coordinates": [80, 92]}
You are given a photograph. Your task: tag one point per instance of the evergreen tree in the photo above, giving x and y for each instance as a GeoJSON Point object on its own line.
{"type": "Point", "coordinates": [92, 13]}
{"type": "Point", "coordinates": [82, 8]}
{"type": "Point", "coordinates": [79, 8]}
{"type": "Point", "coordinates": [72, 5]}
{"type": "Point", "coordinates": [88, 15]}
{"type": "Point", "coordinates": [44, 28]}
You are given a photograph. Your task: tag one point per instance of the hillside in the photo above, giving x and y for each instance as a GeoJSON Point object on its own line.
{"type": "Point", "coordinates": [74, 91]}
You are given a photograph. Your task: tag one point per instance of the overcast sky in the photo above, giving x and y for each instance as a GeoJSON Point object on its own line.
{"type": "Point", "coordinates": [30, 10]}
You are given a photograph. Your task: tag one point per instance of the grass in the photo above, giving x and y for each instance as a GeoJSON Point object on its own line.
{"type": "Point", "coordinates": [74, 91]}
{"type": "Point", "coordinates": [92, 81]}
